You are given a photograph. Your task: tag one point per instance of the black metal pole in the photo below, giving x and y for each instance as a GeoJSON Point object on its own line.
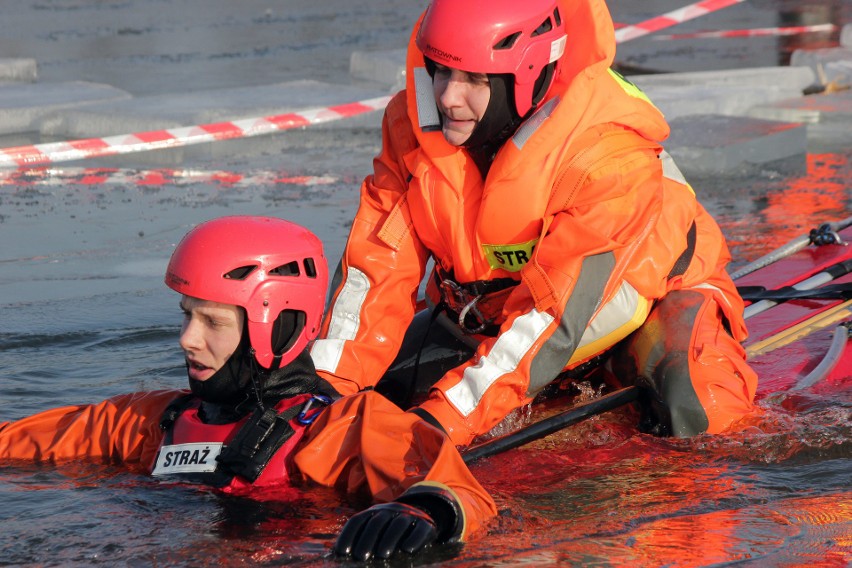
{"type": "Point", "coordinates": [550, 425]}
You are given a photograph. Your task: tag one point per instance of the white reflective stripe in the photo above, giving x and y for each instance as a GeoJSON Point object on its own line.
{"type": "Point", "coordinates": [187, 458]}
{"type": "Point", "coordinates": [503, 358]}
{"type": "Point", "coordinates": [346, 313]}
{"type": "Point", "coordinates": [670, 169]}
{"type": "Point", "coordinates": [345, 321]}
{"type": "Point", "coordinates": [326, 354]}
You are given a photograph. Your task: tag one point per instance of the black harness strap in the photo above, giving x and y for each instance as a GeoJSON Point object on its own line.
{"type": "Point", "coordinates": [459, 300]}
{"type": "Point", "coordinates": [682, 263]}
{"type": "Point", "coordinates": [251, 448]}
{"type": "Point", "coordinates": [170, 415]}
{"type": "Point", "coordinates": [476, 288]}
{"type": "Point", "coordinates": [257, 441]}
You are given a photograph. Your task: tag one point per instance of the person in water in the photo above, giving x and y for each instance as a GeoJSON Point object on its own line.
{"type": "Point", "coordinates": [563, 236]}
{"type": "Point", "coordinates": [257, 418]}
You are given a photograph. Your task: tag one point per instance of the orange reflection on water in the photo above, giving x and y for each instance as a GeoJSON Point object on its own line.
{"type": "Point", "coordinates": [818, 525]}
{"type": "Point", "coordinates": [790, 208]}
{"type": "Point", "coordinates": [808, 200]}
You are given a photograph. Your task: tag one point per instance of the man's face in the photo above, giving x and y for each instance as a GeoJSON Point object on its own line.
{"type": "Point", "coordinates": [462, 99]}
{"type": "Point", "coordinates": [209, 336]}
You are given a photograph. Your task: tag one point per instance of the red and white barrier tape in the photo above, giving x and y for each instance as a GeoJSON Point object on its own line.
{"type": "Point", "coordinates": [54, 152]}
{"type": "Point", "coordinates": [672, 18]}
{"type": "Point", "coordinates": [64, 177]}
{"type": "Point", "coordinates": [755, 32]}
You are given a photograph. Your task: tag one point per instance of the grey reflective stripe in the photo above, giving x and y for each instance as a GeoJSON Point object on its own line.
{"type": "Point", "coordinates": [528, 128]}
{"type": "Point", "coordinates": [670, 169]}
{"type": "Point", "coordinates": [554, 354]}
{"type": "Point", "coordinates": [503, 358]}
{"type": "Point", "coordinates": [427, 109]}
{"type": "Point", "coordinates": [345, 321]}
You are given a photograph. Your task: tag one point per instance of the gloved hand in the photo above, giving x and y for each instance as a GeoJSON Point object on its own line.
{"type": "Point", "coordinates": [385, 529]}
{"type": "Point", "coordinates": [425, 514]}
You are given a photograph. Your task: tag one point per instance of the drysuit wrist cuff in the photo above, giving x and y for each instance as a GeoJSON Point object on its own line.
{"type": "Point", "coordinates": [441, 504]}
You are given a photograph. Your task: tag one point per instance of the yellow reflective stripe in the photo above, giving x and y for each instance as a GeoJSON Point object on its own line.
{"type": "Point", "coordinates": [629, 87]}
{"type": "Point", "coordinates": [509, 257]}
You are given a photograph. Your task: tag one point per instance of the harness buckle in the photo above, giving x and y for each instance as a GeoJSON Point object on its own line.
{"type": "Point", "coordinates": [459, 300]}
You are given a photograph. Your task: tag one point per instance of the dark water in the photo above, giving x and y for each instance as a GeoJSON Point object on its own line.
{"type": "Point", "coordinates": [85, 315]}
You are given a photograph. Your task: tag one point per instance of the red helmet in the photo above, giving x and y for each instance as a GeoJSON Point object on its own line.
{"type": "Point", "coordinates": [518, 37]}
{"type": "Point", "coordinates": [272, 268]}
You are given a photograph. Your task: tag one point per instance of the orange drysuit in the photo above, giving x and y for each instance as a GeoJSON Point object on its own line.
{"type": "Point", "coordinates": [336, 450]}
{"type": "Point", "coordinates": [582, 212]}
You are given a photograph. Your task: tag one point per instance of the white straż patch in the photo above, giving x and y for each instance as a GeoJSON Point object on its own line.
{"type": "Point", "coordinates": [187, 458]}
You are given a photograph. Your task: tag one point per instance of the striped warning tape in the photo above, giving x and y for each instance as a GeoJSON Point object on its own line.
{"type": "Point", "coordinates": [672, 18]}
{"type": "Point", "coordinates": [65, 177]}
{"type": "Point", "coordinates": [754, 32]}
{"type": "Point", "coordinates": [54, 152]}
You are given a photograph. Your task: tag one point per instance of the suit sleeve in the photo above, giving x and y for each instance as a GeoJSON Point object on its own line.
{"type": "Point", "coordinates": [124, 429]}
{"type": "Point", "coordinates": [365, 444]}
{"type": "Point", "coordinates": [601, 261]}
{"type": "Point", "coordinates": [376, 283]}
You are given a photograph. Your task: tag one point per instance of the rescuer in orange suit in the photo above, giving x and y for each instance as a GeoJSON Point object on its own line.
{"type": "Point", "coordinates": [562, 234]}
{"type": "Point", "coordinates": [253, 291]}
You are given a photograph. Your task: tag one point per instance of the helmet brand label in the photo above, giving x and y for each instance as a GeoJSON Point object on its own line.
{"type": "Point", "coordinates": [509, 257]}
{"type": "Point", "coordinates": [173, 280]}
{"type": "Point", "coordinates": [441, 54]}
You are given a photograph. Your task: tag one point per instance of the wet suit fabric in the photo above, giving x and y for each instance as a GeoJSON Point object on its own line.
{"type": "Point", "coordinates": [582, 208]}
{"type": "Point", "coordinates": [126, 429]}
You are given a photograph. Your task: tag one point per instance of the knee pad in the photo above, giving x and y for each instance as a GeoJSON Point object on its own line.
{"type": "Point", "coordinates": [656, 358]}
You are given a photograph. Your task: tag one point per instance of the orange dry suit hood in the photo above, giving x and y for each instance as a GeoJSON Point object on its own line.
{"type": "Point", "coordinates": [583, 90]}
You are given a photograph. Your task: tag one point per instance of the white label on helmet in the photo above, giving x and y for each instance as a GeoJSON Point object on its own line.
{"type": "Point", "coordinates": [557, 48]}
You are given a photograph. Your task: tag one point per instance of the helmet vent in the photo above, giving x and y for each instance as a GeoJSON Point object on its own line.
{"type": "Point", "coordinates": [289, 269]}
{"type": "Point", "coordinates": [507, 42]}
{"type": "Point", "coordinates": [240, 273]}
{"type": "Point", "coordinates": [545, 27]}
{"type": "Point", "coordinates": [310, 268]}
{"type": "Point", "coordinates": [557, 17]}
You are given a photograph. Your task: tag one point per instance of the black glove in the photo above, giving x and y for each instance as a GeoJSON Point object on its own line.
{"type": "Point", "coordinates": [423, 515]}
